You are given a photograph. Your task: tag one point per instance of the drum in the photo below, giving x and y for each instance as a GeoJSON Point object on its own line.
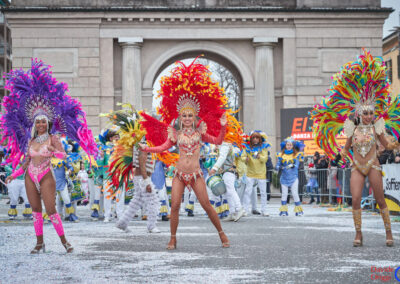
{"type": "Point", "coordinates": [216, 184]}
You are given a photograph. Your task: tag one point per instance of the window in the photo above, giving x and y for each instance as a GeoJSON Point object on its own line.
{"type": "Point", "coordinates": [389, 70]}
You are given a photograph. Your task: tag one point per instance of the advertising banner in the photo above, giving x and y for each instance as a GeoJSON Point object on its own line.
{"type": "Point", "coordinates": [391, 186]}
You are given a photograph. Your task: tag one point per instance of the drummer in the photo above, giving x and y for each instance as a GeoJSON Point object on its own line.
{"type": "Point", "coordinates": [225, 166]}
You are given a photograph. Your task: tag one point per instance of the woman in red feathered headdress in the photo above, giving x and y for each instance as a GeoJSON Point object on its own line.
{"type": "Point", "coordinates": [190, 96]}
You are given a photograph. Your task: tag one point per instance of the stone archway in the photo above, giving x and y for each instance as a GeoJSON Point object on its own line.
{"type": "Point", "coordinates": [211, 50]}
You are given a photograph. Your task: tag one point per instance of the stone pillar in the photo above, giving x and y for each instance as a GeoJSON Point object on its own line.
{"type": "Point", "coordinates": [264, 87]}
{"type": "Point", "coordinates": [131, 71]}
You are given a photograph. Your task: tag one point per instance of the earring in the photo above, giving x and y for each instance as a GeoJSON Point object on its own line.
{"type": "Point", "coordinates": [193, 124]}
{"type": "Point", "coordinates": [181, 125]}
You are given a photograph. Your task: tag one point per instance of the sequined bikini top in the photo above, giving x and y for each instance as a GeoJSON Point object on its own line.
{"type": "Point", "coordinates": [189, 140]}
{"type": "Point", "coordinates": [364, 139]}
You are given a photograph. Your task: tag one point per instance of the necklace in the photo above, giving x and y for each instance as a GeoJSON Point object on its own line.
{"type": "Point", "coordinates": [42, 138]}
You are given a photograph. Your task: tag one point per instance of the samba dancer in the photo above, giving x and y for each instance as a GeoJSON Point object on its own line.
{"type": "Point", "coordinates": [360, 91]}
{"type": "Point", "coordinates": [38, 107]}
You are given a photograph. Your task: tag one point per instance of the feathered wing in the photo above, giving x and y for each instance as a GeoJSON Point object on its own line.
{"type": "Point", "coordinates": [328, 124]}
{"type": "Point", "coordinates": [156, 135]}
{"type": "Point", "coordinates": [130, 134]}
{"type": "Point", "coordinates": [356, 81]}
{"type": "Point", "coordinates": [37, 89]}
{"type": "Point", "coordinates": [234, 131]}
{"type": "Point", "coordinates": [392, 116]}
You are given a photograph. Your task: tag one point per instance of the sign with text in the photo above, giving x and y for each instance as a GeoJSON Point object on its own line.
{"type": "Point", "coordinates": [391, 186]}
{"type": "Point", "coordinates": [296, 122]}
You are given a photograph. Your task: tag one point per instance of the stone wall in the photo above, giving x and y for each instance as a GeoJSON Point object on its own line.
{"type": "Point", "coordinates": [73, 48]}
{"type": "Point", "coordinates": [322, 47]}
{"type": "Point", "coordinates": [198, 4]}
{"type": "Point", "coordinates": [86, 48]}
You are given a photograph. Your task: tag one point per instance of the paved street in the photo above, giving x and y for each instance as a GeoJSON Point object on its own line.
{"type": "Point", "coordinates": [315, 248]}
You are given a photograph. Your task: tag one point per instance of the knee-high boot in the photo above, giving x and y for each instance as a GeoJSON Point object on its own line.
{"type": "Point", "coordinates": [386, 222]}
{"type": "Point", "coordinates": [357, 226]}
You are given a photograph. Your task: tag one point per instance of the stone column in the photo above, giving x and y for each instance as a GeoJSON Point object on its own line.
{"type": "Point", "coordinates": [131, 71]}
{"type": "Point", "coordinates": [264, 87]}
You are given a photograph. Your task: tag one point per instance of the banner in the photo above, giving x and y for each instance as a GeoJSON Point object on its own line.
{"type": "Point", "coordinates": [296, 122]}
{"type": "Point", "coordinates": [391, 186]}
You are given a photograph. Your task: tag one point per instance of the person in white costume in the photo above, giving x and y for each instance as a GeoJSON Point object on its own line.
{"type": "Point", "coordinates": [225, 165]}
{"type": "Point", "coordinates": [145, 194]}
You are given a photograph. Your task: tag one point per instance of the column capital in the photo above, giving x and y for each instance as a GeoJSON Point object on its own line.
{"type": "Point", "coordinates": [265, 41]}
{"type": "Point", "coordinates": [130, 41]}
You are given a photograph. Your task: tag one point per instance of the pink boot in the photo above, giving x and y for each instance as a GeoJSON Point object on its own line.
{"type": "Point", "coordinates": [38, 223]}
{"type": "Point", "coordinates": [56, 220]}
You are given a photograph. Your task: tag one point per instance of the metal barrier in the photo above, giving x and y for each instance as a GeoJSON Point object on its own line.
{"type": "Point", "coordinates": [327, 186]}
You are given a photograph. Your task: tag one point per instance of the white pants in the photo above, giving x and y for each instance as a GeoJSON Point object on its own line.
{"type": "Point", "coordinates": [64, 194]}
{"type": "Point", "coordinates": [85, 188]}
{"type": "Point", "coordinates": [94, 191]}
{"type": "Point", "coordinates": [119, 205]}
{"type": "Point", "coordinates": [149, 200]}
{"type": "Point", "coordinates": [95, 194]}
{"type": "Point", "coordinates": [163, 197]}
{"type": "Point", "coordinates": [254, 198]}
{"type": "Point", "coordinates": [188, 196]}
{"type": "Point", "coordinates": [262, 184]}
{"type": "Point", "coordinates": [295, 191]}
{"type": "Point", "coordinates": [231, 194]}
{"type": "Point", "coordinates": [16, 188]}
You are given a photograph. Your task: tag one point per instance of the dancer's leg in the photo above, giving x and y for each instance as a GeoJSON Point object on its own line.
{"type": "Point", "coordinates": [356, 186]}
{"type": "Point", "coordinates": [176, 197]}
{"type": "Point", "coordinates": [375, 178]}
{"type": "Point", "coordinates": [133, 206]}
{"type": "Point", "coordinates": [152, 207]}
{"type": "Point", "coordinates": [36, 204]}
{"type": "Point", "coordinates": [48, 192]}
{"type": "Point", "coordinates": [199, 187]}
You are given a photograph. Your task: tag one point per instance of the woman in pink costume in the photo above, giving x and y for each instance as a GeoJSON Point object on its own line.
{"type": "Point", "coordinates": [35, 110]}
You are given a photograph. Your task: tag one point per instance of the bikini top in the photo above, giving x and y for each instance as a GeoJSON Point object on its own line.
{"type": "Point", "coordinates": [189, 140]}
{"type": "Point", "coordinates": [364, 139]}
{"type": "Point", "coordinates": [43, 151]}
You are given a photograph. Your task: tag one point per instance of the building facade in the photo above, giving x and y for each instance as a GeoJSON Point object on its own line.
{"type": "Point", "coordinates": [390, 50]}
{"type": "Point", "coordinates": [283, 53]}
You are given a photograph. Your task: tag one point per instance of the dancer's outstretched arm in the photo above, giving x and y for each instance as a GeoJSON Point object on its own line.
{"type": "Point", "coordinates": [158, 149]}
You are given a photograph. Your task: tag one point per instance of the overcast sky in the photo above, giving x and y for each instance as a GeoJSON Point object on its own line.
{"type": "Point", "coordinates": [393, 19]}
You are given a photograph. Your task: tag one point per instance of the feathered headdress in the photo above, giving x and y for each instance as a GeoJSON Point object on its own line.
{"type": "Point", "coordinates": [190, 88]}
{"type": "Point", "coordinates": [360, 85]}
{"type": "Point", "coordinates": [36, 93]}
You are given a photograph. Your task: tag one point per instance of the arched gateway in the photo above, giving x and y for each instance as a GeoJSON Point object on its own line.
{"type": "Point", "coordinates": [282, 52]}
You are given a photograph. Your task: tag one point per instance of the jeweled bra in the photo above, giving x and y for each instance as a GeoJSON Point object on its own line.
{"type": "Point", "coordinates": [189, 140]}
{"type": "Point", "coordinates": [364, 139]}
